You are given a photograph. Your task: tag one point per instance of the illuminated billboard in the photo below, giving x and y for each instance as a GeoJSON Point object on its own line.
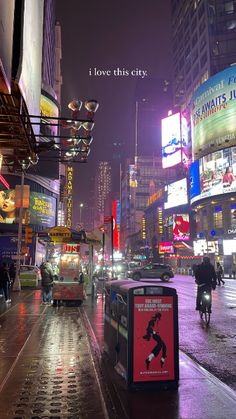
{"type": "Point", "coordinates": [213, 108]}
{"type": "Point", "coordinates": [6, 35]}
{"type": "Point", "coordinates": [153, 333]}
{"type": "Point", "coordinates": [203, 247]}
{"type": "Point", "coordinates": [181, 227]}
{"type": "Point", "coordinates": [177, 194]}
{"type": "Point", "coordinates": [30, 69]}
{"type": "Point", "coordinates": [171, 140]}
{"type": "Point", "coordinates": [41, 211]}
{"type": "Point", "coordinates": [214, 174]}
{"type": "Point", "coordinates": [133, 183]}
{"type": "Point", "coordinates": [166, 247]}
{"type": "Point", "coordinates": [116, 224]}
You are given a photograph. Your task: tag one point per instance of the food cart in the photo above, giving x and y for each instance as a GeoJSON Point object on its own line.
{"type": "Point", "coordinates": [68, 285]}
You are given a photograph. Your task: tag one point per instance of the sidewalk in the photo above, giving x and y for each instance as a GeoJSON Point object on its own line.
{"type": "Point", "coordinates": [199, 395]}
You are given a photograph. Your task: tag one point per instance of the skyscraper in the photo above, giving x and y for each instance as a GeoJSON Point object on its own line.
{"type": "Point", "coordinates": [203, 42]}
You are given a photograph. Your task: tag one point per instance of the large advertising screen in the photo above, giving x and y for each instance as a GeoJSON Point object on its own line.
{"type": "Point", "coordinates": [181, 227]}
{"type": "Point", "coordinates": [177, 194]}
{"type": "Point", "coordinates": [171, 140]}
{"type": "Point", "coordinates": [214, 174]}
{"type": "Point", "coordinates": [6, 36]}
{"type": "Point", "coordinates": [30, 70]}
{"type": "Point", "coordinates": [41, 211]}
{"type": "Point", "coordinates": [213, 109]}
{"type": "Point", "coordinates": [153, 339]}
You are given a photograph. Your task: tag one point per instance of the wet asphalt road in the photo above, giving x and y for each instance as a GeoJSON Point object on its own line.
{"type": "Point", "coordinates": [214, 347]}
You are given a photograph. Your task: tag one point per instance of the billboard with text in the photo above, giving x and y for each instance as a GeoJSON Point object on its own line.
{"type": "Point", "coordinates": [213, 108]}
{"type": "Point", "coordinates": [214, 174]}
{"type": "Point", "coordinates": [41, 211]}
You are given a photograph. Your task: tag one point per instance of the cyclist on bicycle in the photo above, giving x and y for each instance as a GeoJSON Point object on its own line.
{"type": "Point", "coordinates": [205, 279]}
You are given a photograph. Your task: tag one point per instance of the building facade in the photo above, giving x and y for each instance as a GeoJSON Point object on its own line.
{"type": "Point", "coordinates": [203, 33]}
{"type": "Point", "coordinates": [204, 57]}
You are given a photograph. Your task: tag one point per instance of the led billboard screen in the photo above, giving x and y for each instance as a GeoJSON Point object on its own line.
{"type": "Point", "coordinates": [30, 70]}
{"type": "Point", "coordinates": [171, 140]}
{"type": "Point", "coordinates": [215, 174]}
{"type": "Point", "coordinates": [166, 247]}
{"type": "Point", "coordinates": [41, 211]}
{"type": "Point", "coordinates": [181, 227]}
{"type": "Point", "coordinates": [177, 194]}
{"type": "Point", "coordinates": [213, 108]}
{"type": "Point", "coordinates": [6, 36]}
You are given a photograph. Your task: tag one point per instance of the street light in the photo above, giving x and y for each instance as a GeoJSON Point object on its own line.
{"type": "Point", "coordinates": [80, 211]}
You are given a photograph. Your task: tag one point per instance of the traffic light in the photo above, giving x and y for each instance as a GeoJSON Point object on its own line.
{"type": "Point", "coordinates": [25, 251]}
{"type": "Point", "coordinates": [28, 235]}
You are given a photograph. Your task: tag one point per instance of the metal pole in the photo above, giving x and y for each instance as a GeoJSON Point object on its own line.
{"type": "Point", "coordinates": [17, 285]}
{"type": "Point", "coordinates": [136, 133]}
{"type": "Point", "coordinates": [103, 260]}
{"type": "Point", "coordinates": [112, 246]}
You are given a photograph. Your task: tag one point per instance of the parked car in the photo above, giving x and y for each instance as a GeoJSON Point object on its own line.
{"type": "Point", "coordinates": [152, 270]}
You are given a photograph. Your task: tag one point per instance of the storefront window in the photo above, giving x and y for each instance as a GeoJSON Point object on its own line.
{"type": "Point", "coordinates": [218, 217]}
{"type": "Point", "coordinates": [233, 215]}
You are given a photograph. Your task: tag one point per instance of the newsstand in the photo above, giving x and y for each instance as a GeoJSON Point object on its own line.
{"type": "Point", "coordinates": [141, 333]}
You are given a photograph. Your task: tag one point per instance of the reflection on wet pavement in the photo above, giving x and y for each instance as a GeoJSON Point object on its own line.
{"type": "Point", "coordinates": [50, 373]}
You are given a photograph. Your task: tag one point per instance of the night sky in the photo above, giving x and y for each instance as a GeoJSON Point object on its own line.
{"type": "Point", "coordinates": [107, 35]}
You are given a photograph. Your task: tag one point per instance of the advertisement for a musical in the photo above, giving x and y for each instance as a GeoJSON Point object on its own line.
{"type": "Point", "coordinates": [153, 339]}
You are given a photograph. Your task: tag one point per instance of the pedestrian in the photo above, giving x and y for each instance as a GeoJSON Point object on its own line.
{"type": "Point", "coordinates": [5, 282]}
{"type": "Point", "coordinates": [206, 280]}
{"type": "Point", "coordinates": [219, 273]}
{"type": "Point", "coordinates": [81, 277]}
{"type": "Point", "coordinates": [47, 282]}
{"type": "Point", "coordinates": [12, 274]}
{"type": "Point", "coordinates": [234, 271]}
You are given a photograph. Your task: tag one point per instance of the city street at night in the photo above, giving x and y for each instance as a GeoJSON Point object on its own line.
{"type": "Point", "coordinates": [117, 209]}
{"type": "Point", "coordinates": [54, 365]}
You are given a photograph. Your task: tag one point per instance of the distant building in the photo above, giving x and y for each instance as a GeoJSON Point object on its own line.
{"type": "Point", "coordinates": [204, 50]}
{"type": "Point", "coordinates": [138, 182]}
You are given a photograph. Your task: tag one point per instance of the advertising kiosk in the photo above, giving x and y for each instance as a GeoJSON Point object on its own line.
{"type": "Point", "coordinates": [141, 333]}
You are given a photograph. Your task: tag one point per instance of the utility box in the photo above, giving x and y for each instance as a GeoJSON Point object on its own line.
{"type": "Point", "coordinates": [141, 333]}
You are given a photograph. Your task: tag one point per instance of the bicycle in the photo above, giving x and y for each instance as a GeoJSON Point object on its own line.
{"type": "Point", "coordinates": [205, 307]}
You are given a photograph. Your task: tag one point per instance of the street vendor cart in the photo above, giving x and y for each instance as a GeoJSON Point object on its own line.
{"type": "Point", "coordinates": [68, 285]}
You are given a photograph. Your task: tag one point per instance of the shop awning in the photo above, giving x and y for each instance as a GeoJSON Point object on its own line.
{"type": "Point", "coordinates": [61, 234]}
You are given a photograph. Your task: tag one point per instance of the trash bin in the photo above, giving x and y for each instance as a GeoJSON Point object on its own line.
{"type": "Point", "coordinates": [141, 333]}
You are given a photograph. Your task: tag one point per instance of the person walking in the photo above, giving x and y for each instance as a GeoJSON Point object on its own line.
{"type": "Point", "coordinates": [12, 274]}
{"type": "Point", "coordinates": [47, 282]}
{"type": "Point", "coordinates": [5, 282]}
{"type": "Point", "coordinates": [219, 273]}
